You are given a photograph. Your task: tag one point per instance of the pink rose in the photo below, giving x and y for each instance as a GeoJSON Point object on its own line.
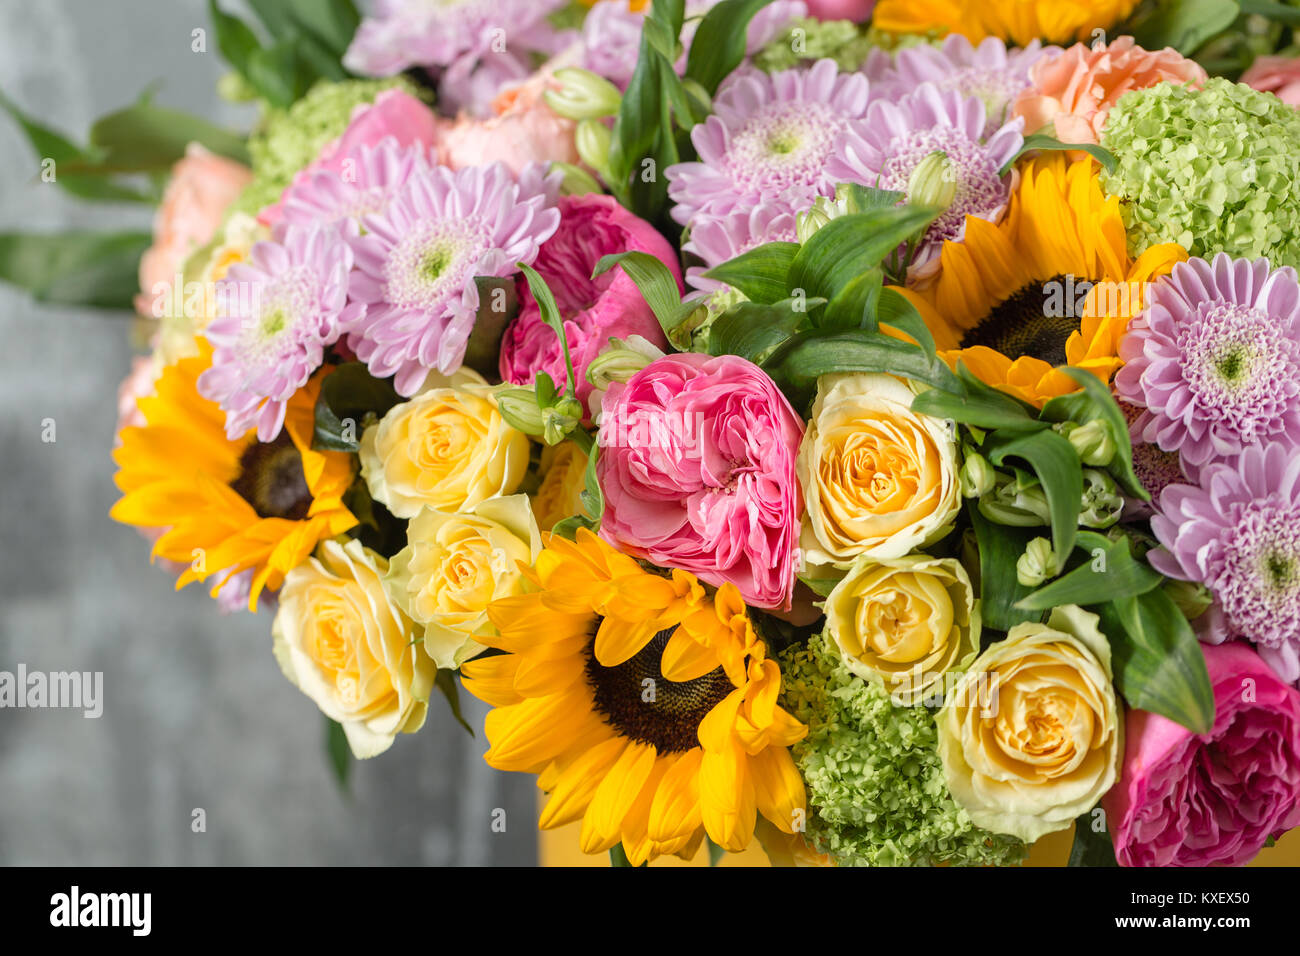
{"type": "Point", "coordinates": [594, 310]}
{"type": "Point", "coordinates": [394, 113]}
{"type": "Point", "coordinates": [696, 463]}
{"type": "Point", "coordinates": [1276, 74]}
{"type": "Point", "coordinates": [1077, 89]}
{"type": "Point", "coordinates": [201, 189]}
{"type": "Point", "coordinates": [1212, 800]}
{"type": "Point", "coordinates": [855, 10]}
{"type": "Point", "coordinates": [523, 130]}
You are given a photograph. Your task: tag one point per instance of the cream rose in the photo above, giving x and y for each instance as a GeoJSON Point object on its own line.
{"type": "Point", "coordinates": [904, 622]}
{"type": "Point", "coordinates": [454, 565]}
{"type": "Point", "coordinates": [1032, 735]}
{"type": "Point", "coordinates": [339, 639]}
{"type": "Point", "coordinates": [877, 479]}
{"type": "Point", "coordinates": [446, 448]}
{"type": "Point", "coordinates": [564, 478]}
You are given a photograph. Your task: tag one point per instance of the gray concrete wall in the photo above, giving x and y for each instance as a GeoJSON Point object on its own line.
{"type": "Point", "coordinates": [196, 714]}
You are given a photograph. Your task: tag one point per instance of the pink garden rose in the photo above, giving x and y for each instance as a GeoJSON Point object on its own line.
{"type": "Point", "coordinates": [1077, 89]}
{"type": "Point", "coordinates": [594, 310]}
{"type": "Point", "coordinates": [855, 10]}
{"type": "Point", "coordinates": [1279, 75]}
{"type": "Point", "coordinates": [697, 468]}
{"type": "Point", "coordinates": [1212, 800]}
{"type": "Point", "coordinates": [201, 189]}
{"type": "Point", "coordinates": [524, 129]}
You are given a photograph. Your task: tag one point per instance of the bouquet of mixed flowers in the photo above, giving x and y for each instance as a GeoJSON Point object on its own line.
{"type": "Point", "coordinates": [874, 432]}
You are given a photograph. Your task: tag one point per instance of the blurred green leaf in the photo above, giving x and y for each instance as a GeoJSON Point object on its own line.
{"type": "Point", "coordinates": [94, 269]}
{"type": "Point", "coordinates": [338, 752]}
{"type": "Point", "coordinates": [450, 689]}
{"type": "Point", "coordinates": [719, 42]}
{"type": "Point", "coordinates": [347, 395]}
{"type": "Point", "coordinates": [761, 274]}
{"type": "Point", "coordinates": [1184, 24]}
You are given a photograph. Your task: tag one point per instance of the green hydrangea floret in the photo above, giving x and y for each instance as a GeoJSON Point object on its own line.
{"type": "Point", "coordinates": [808, 38]}
{"type": "Point", "coordinates": [876, 790]}
{"type": "Point", "coordinates": [290, 139]}
{"type": "Point", "coordinates": [1214, 170]}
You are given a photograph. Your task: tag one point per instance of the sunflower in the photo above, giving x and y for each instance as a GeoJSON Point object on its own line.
{"type": "Point", "coordinates": [1018, 21]}
{"type": "Point", "coordinates": [648, 708]}
{"type": "Point", "coordinates": [228, 506]}
{"type": "Point", "coordinates": [1052, 284]}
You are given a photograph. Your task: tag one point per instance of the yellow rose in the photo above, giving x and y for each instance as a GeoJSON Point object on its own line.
{"type": "Point", "coordinates": [447, 448]}
{"type": "Point", "coordinates": [877, 479]}
{"type": "Point", "coordinates": [904, 622]}
{"type": "Point", "coordinates": [339, 639]}
{"type": "Point", "coordinates": [564, 478]}
{"type": "Point", "coordinates": [455, 565]}
{"type": "Point", "coordinates": [1032, 735]}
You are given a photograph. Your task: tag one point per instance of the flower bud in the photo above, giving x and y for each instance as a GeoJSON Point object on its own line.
{"type": "Point", "coordinates": [1093, 441]}
{"type": "Point", "coordinates": [518, 406]}
{"type": "Point", "coordinates": [933, 182]}
{"type": "Point", "coordinates": [592, 139]}
{"type": "Point", "coordinates": [618, 363]}
{"type": "Point", "coordinates": [577, 181]}
{"type": "Point", "coordinates": [1015, 500]}
{"type": "Point", "coordinates": [583, 95]}
{"type": "Point", "coordinates": [977, 475]}
{"type": "Point", "coordinates": [1037, 564]}
{"type": "Point", "coordinates": [1102, 502]}
{"type": "Point", "coordinates": [560, 419]}
{"type": "Point", "coordinates": [819, 214]}
{"type": "Point", "coordinates": [1192, 598]}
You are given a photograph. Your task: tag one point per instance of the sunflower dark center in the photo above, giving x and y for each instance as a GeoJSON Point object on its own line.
{"type": "Point", "coordinates": [1027, 323]}
{"type": "Point", "coordinates": [640, 703]}
{"type": "Point", "coordinates": [271, 479]}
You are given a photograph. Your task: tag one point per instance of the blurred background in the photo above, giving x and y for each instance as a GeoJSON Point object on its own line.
{"type": "Point", "coordinates": [196, 713]}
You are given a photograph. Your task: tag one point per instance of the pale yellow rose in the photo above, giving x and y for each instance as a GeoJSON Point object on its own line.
{"type": "Point", "coordinates": [904, 622]}
{"type": "Point", "coordinates": [447, 448]}
{"type": "Point", "coordinates": [340, 640]}
{"type": "Point", "coordinates": [455, 565]}
{"type": "Point", "coordinates": [1032, 735]}
{"type": "Point", "coordinates": [877, 479]}
{"type": "Point", "coordinates": [564, 478]}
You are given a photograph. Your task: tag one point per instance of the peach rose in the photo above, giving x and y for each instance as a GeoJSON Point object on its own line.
{"type": "Point", "coordinates": [524, 129]}
{"type": "Point", "coordinates": [1279, 75]}
{"type": "Point", "coordinates": [1076, 90]}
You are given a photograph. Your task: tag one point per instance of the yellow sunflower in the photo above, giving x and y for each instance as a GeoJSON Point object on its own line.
{"type": "Point", "coordinates": [648, 708]}
{"type": "Point", "coordinates": [228, 506]}
{"type": "Point", "coordinates": [1016, 21]}
{"type": "Point", "coordinates": [1052, 284]}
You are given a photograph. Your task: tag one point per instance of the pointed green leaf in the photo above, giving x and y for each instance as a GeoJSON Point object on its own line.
{"type": "Point", "coordinates": [1046, 142]}
{"type": "Point", "coordinates": [1120, 575]}
{"type": "Point", "coordinates": [446, 683]}
{"type": "Point", "coordinates": [1055, 462]}
{"type": "Point", "coordinates": [999, 549]}
{"type": "Point", "coordinates": [761, 274]}
{"type": "Point", "coordinates": [551, 316]}
{"type": "Point", "coordinates": [94, 269]}
{"type": "Point", "coordinates": [848, 246]}
{"type": "Point", "coordinates": [719, 42]}
{"type": "Point", "coordinates": [658, 286]}
{"type": "Point", "coordinates": [339, 753]}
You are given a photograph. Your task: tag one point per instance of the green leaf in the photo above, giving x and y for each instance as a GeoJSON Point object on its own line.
{"type": "Point", "coordinates": [1044, 141]}
{"type": "Point", "coordinates": [236, 41]}
{"type": "Point", "coordinates": [716, 853]}
{"type": "Point", "coordinates": [999, 549]}
{"type": "Point", "coordinates": [95, 269]}
{"type": "Point", "coordinates": [753, 330]}
{"type": "Point", "coordinates": [1121, 576]}
{"type": "Point", "coordinates": [658, 286]}
{"type": "Point", "coordinates": [1183, 24]}
{"type": "Point", "coordinates": [797, 366]}
{"type": "Point", "coordinates": [1057, 466]}
{"type": "Point", "coordinates": [980, 410]}
{"type": "Point", "coordinates": [719, 43]}
{"type": "Point", "coordinates": [551, 316]}
{"type": "Point", "coordinates": [1091, 848]}
{"type": "Point", "coordinates": [761, 274]}
{"type": "Point", "coordinates": [1158, 663]}
{"type": "Point", "coordinates": [346, 396]}
{"type": "Point", "coordinates": [148, 138]}
{"type": "Point", "coordinates": [446, 683]}
{"type": "Point", "coordinates": [1280, 12]}
{"type": "Point", "coordinates": [855, 306]}
{"type": "Point", "coordinates": [332, 22]}
{"type": "Point", "coordinates": [861, 197]}
{"type": "Point", "coordinates": [339, 753]}
{"type": "Point", "coordinates": [1096, 401]}
{"type": "Point", "coordinates": [848, 246]}
{"type": "Point", "coordinates": [894, 309]}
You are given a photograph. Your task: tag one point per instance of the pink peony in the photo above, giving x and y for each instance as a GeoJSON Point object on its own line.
{"type": "Point", "coordinates": [1214, 799]}
{"type": "Point", "coordinates": [523, 130]}
{"type": "Point", "coordinates": [1279, 75]}
{"type": "Point", "coordinates": [697, 467]}
{"type": "Point", "coordinates": [855, 10]}
{"type": "Point", "coordinates": [202, 187]}
{"type": "Point", "coordinates": [594, 310]}
{"type": "Point", "coordinates": [1076, 90]}
{"type": "Point", "coordinates": [394, 113]}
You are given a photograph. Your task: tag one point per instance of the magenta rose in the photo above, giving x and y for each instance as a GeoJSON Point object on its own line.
{"type": "Point", "coordinates": [697, 466]}
{"type": "Point", "coordinates": [594, 310]}
{"type": "Point", "coordinates": [1212, 800]}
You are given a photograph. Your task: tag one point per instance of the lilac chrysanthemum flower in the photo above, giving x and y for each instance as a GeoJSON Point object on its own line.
{"type": "Point", "coordinates": [417, 262]}
{"type": "Point", "coordinates": [361, 187]}
{"type": "Point", "coordinates": [892, 149]}
{"type": "Point", "coordinates": [276, 314]}
{"type": "Point", "coordinates": [717, 239]}
{"type": "Point", "coordinates": [769, 138]}
{"type": "Point", "coordinates": [1215, 359]}
{"type": "Point", "coordinates": [1154, 468]}
{"type": "Point", "coordinates": [990, 71]}
{"type": "Point", "coordinates": [1238, 533]}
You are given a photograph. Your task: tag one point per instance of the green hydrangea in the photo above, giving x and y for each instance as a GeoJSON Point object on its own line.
{"type": "Point", "coordinates": [290, 139]}
{"type": "Point", "coordinates": [876, 790]}
{"type": "Point", "coordinates": [808, 38]}
{"type": "Point", "coordinates": [1215, 170]}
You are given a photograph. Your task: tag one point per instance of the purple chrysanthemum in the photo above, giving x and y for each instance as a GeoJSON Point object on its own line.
{"type": "Point", "coordinates": [1215, 359]}
{"type": "Point", "coordinates": [1238, 533]}
{"type": "Point", "coordinates": [990, 71]}
{"type": "Point", "coordinates": [769, 138]}
{"type": "Point", "coordinates": [717, 239]}
{"type": "Point", "coordinates": [1154, 468]}
{"type": "Point", "coordinates": [417, 262]}
{"type": "Point", "coordinates": [886, 149]}
{"type": "Point", "coordinates": [275, 316]}
{"type": "Point", "coordinates": [361, 186]}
